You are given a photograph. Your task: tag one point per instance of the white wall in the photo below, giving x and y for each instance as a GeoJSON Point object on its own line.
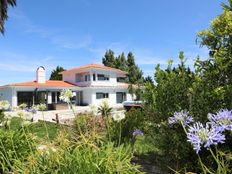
{"type": "Point", "coordinates": [6, 94]}
{"type": "Point", "coordinates": [89, 95]}
{"type": "Point", "coordinates": [71, 77]}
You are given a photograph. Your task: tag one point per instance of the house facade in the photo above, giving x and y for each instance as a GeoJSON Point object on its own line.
{"type": "Point", "coordinates": [90, 83]}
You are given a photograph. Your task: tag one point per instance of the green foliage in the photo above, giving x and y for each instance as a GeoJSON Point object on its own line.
{"type": "Point", "coordinates": [3, 12]}
{"type": "Point", "coordinates": [170, 94]}
{"type": "Point", "coordinates": [121, 62]}
{"type": "Point", "coordinates": [81, 156]}
{"type": "Point", "coordinates": [203, 91]}
{"type": "Point", "coordinates": [215, 74]}
{"type": "Point", "coordinates": [104, 109]}
{"type": "Point", "coordinates": [14, 146]}
{"type": "Point", "coordinates": [109, 59]}
{"type": "Point", "coordinates": [55, 75]}
{"type": "Point", "coordinates": [148, 79]}
{"type": "Point", "coordinates": [89, 123]}
{"type": "Point", "coordinates": [134, 119]}
{"type": "Point", "coordinates": [135, 74]}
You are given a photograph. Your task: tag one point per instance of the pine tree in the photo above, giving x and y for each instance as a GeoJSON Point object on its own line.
{"type": "Point", "coordinates": [121, 63]}
{"type": "Point", "coordinates": [55, 75]}
{"type": "Point", "coordinates": [109, 59]}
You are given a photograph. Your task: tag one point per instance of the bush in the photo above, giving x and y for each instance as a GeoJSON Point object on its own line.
{"type": "Point", "coordinates": [82, 156]}
{"type": "Point", "coordinates": [89, 123]}
{"type": "Point", "coordinates": [134, 119]}
{"type": "Point", "coordinates": [15, 146]}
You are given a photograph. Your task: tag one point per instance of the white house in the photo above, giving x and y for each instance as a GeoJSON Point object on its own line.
{"type": "Point", "coordinates": [91, 83]}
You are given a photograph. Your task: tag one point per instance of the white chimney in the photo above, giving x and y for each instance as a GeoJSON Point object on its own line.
{"type": "Point", "coordinates": [40, 75]}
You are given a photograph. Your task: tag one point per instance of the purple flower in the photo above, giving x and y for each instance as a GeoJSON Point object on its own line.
{"type": "Point", "coordinates": [137, 132]}
{"type": "Point", "coordinates": [222, 119]}
{"type": "Point", "coordinates": [181, 116]}
{"type": "Point", "coordinates": [199, 136]}
{"type": "Point", "coordinates": [32, 110]}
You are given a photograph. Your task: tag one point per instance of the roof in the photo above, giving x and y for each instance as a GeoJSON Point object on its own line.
{"type": "Point", "coordinates": [48, 83]}
{"type": "Point", "coordinates": [96, 66]}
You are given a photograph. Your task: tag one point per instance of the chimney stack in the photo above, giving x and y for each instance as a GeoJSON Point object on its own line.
{"type": "Point", "coordinates": [40, 75]}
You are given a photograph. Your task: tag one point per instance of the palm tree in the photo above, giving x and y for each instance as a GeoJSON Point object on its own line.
{"type": "Point", "coordinates": [3, 11]}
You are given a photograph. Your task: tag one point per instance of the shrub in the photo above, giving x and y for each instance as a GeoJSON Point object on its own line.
{"type": "Point", "coordinates": [15, 146]}
{"type": "Point", "coordinates": [134, 119]}
{"type": "Point", "coordinates": [82, 156]}
{"type": "Point", "coordinates": [89, 123]}
{"type": "Point", "coordinates": [104, 109]}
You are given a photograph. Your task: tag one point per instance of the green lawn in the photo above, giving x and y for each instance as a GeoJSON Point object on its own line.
{"type": "Point", "coordinates": [39, 129]}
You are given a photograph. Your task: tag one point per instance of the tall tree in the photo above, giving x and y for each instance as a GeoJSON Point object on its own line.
{"type": "Point", "coordinates": [134, 73]}
{"type": "Point", "coordinates": [134, 77]}
{"type": "Point", "coordinates": [216, 72]}
{"type": "Point", "coordinates": [55, 75]}
{"type": "Point", "coordinates": [3, 12]}
{"type": "Point", "coordinates": [109, 59]}
{"type": "Point", "coordinates": [218, 39]}
{"type": "Point", "coordinates": [121, 63]}
{"type": "Point", "coordinates": [148, 79]}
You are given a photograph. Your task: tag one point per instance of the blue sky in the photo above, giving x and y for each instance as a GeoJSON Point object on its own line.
{"type": "Point", "coordinates": [76, 32]}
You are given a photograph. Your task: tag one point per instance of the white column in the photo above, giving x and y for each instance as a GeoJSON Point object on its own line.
{"type": "Point", "coordinates": [14, 98]}
{"type": "Point", "coordinates": [49, 99]}
{"type": "Point", "coordinates": [55, 97]}
{"type": "Point", "coordinates": [91, 76]}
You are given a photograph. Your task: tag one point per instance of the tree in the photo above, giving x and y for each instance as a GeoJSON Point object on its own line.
{"type": "Point", "coordinates": [3, 12]}
{"type": "Point", "coordinates": [55, 75]}
{"type": "Point", "coordinates": [121, 63]}
{"type": "Point", "coordinates": [148, 79]}
{"type": "Point", "coordinates": [216, 72]}
{"type": "Point", "coordinates": [109, 59]}
{"type": "Point", "coordinates": [134, 73]}
{"type": "Point", "coordinates": [134, 76]}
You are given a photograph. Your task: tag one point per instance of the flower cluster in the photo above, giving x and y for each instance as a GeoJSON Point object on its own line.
{"type": "Point", "coordinates": [137, 132]}
{"type": "Point", "coordinates": [198, 136]}
{"type": "Point", "coordinates": [181, 117]}
{"type": "Point", "coordinates": [222, 119]}
{"type": "Point", "coordinates": [118, 116]}
{"type": "Point", "coordinates": [66, 95]}
{"type": "Point", "coordinates": [4, 105]}
{"type": "Point", "coordinates": [31, 110]}
{"type": "Point", "coordinates": [40, 107]}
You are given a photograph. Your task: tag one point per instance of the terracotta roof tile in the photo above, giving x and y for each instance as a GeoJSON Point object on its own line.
{"type": "Point", "coordinates": [97, 66]}
{"type": "Point", "coordinates": [49, 83]}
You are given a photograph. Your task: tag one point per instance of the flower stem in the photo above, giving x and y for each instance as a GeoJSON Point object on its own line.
{"type": "Point", "coordinates": [120, 134]}
{"type": "Point", "coordinates": [45, 125]}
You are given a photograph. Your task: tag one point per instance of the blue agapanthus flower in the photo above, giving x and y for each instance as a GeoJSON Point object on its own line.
{"type": "Point", "coordinates": [137, 132]}
{"type": "Point", "coordinates": [31, 110]}
{"type": "Point", "coordinates": [182, 116]}
{"type": "Point", "coordinates": [222, 119]}
{"type": "Point", "coordinates": [199, 136]}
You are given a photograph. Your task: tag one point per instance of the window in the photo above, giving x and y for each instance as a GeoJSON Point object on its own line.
{"type": "Point", "coordinates": [120, 97]}
{"type": "Point", "coordinates": [87, 77]}
{"type": "Point", "coordinates": [94, 77]}
{"type": "Point", "coordinates": [100, 95]}
{"type": "Point", "coordinates": [102, 77]}
{"type": "Point", "coordinates": [78, 78]}
{"type": "Point", "coordinates": [121, 79]}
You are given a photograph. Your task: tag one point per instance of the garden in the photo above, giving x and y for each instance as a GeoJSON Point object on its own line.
{"type": "Point", "coordinates": [184, 125]}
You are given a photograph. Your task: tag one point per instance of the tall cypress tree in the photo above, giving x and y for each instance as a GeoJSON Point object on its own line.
{"type": "Point", "coordinates": [109, 59]}
{"type": "Point", "coordinates": [121, 63]}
